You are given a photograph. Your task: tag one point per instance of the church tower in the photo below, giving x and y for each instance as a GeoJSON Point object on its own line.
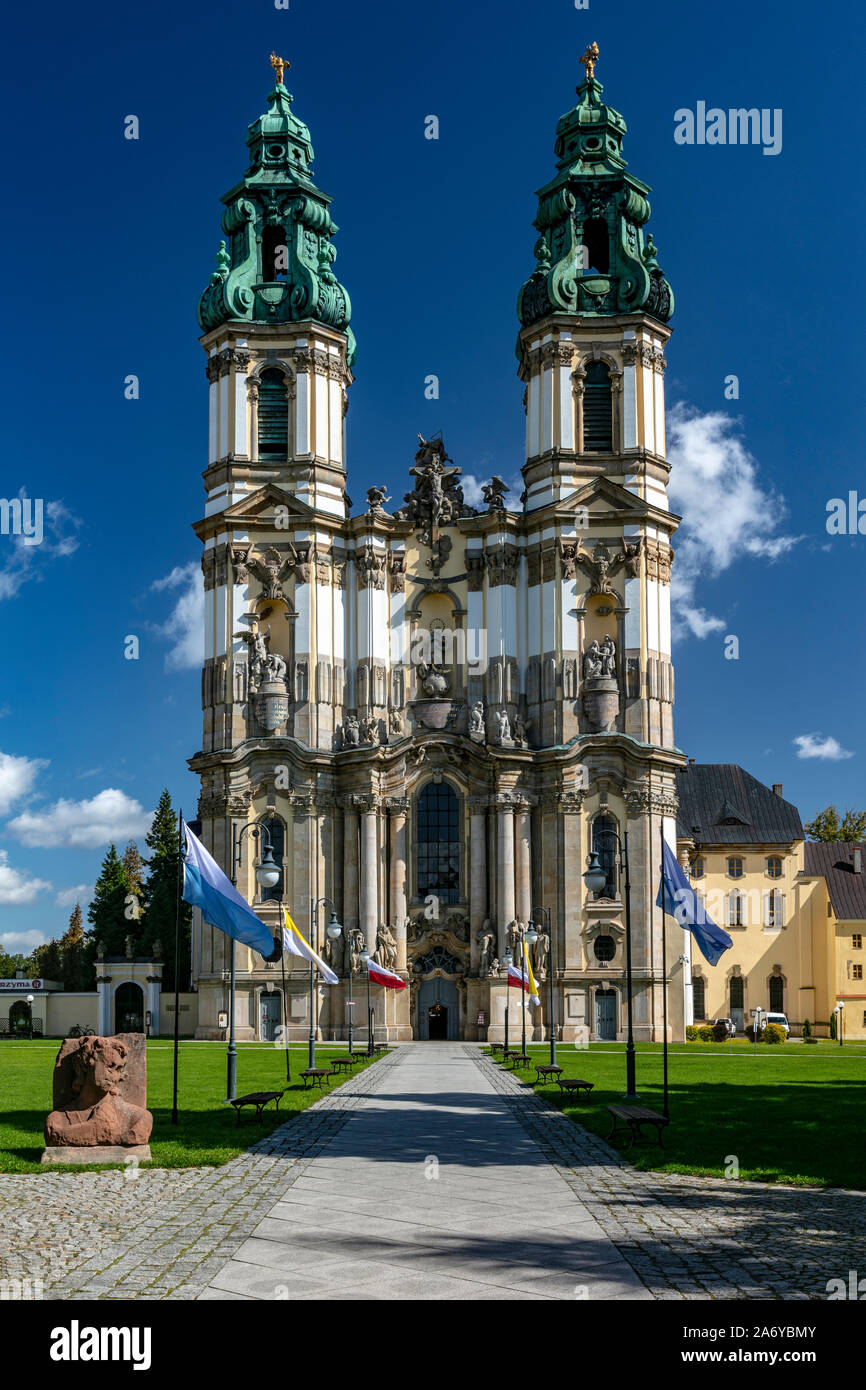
{"type": "Point", "coordinates": [438, 712]}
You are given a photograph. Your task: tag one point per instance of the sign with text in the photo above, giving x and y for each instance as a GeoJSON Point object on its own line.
{"type": "Point", "coordinates": [20, 984]}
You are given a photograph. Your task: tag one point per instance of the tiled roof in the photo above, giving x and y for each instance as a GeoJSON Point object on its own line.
{"type": "Point", "coordinates": [834, 860]}
{"type": "Point", "coordinates": [722, 804]}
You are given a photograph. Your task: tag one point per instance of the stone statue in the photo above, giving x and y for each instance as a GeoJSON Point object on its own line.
{"type": "Point", "coordinates": [395, 721]}
{"type": "Point", "coordinates": [486, 941]}
{"type": "Point", "coordinates": [495, 969]}
{"type": "Point", "coordinates": [351, 731]}
{"type": "Point", "coordinates": [519, 730]}
{"type": "Point", "coordinates": [275, 668]}
{"type": "Point", "coordinates": [376, 499]}
{"type": "Point", "coordinates": [503, 728]}
{"type": "Point", "coordinates": [100, 1093]}
{"type": "Point", "coordinates": [369, 730]}
{"type": "Point", "coordinates": [542, 951]}
{"type": "Point", "coordinates": [608, 656]}
{"type": "Point", "coordinates": [592, 662]}
{"type": "Point", "coordinates": [476, 720]}
{"type": "Point", "coordinates": [386, 947]}
{"type": "Point", "coordinates": [356, 946]}
{"type": "Point", "coordinates": [433, 680]}
{"type": "Point", "coordinates": [494, 494]}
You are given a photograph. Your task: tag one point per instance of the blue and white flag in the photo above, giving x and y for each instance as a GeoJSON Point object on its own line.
{"type": "Point", "coordinates": [206, 886]}
{"type": "Point", "coordinates": [677, 896]}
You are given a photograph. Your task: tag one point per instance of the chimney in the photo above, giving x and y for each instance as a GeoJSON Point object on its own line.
{"type": "Point", "coordinates": [691, 762]}
{"type": "Point", "coordinates": [858, 860]}
{"type": "Point", "coordinates": [777, 788]}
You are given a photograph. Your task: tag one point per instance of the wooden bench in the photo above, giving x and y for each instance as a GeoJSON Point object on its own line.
{"type": "Point", "coordinates": [345, 1063]}
{"type": "Point", "coordinates": [520, 1059]}
{"type": "Point", "coordinates": [496, 1047]}
{"type": "Point", "coordinates": [380, 1047]}
{"type": "Point", "coordinates": [317, 1076]}
{"type": "Point", "coordinates": [546, 1072]}
{"type": "Point", "coordinates": [259, 1099]}
{"type": "Point", "coordinates": [569, 1085]}
{"type": "Point", "coordinates": [635, 1116]}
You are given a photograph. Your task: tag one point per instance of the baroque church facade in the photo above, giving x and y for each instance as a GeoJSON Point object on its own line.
{"type": "Point", "coordinates": [438, 711]}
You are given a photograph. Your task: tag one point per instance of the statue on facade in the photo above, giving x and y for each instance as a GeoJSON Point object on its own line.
{"type": "Point", "coordinates": [395, 721]}
{"type": "Point", "coordinates": [386, 947]}
{"type": "Point", "coordinates": [376, 499]}
{"type": "Point", "coordinates": [518, 731]}
{"type": "Point", "coordinates": [351, 731]}
{"type": "Point", "coordinates": [370, 730]}
{"type": "Point", "coordinates": [503, 727]}
{"type": "Point", "coordinates": [592, 661]}
{"type": "Point", "coordinates": [495, 969]}
{"type": "Point", "coordinates": [433, 680]}
{"type": "Point", "coordinates": [486, 941]}
{"type": "Point", "coordinates": [476, 720]}
{"type": "Point", "coordinates": [493, 494]}
{"type": "Point", "coordinates": [437, 498]}
{"type": "Point", "coordinates": [356, 946]}
{"type": "Point", "coordinates": [541, 953]}
{"type": "Point", "coordinates": [608, 656]}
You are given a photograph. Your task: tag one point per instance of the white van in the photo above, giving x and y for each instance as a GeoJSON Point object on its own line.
{"type": "Point", "coordinates": [777, 1018]}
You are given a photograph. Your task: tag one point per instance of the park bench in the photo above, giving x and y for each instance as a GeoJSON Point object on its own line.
{"type": "Point", "coordinates": [345, 1063]}
{"type": "Point", "coordinates": [496, 1047]}
{"type": "Point", "coordinates": [259, 1099]}
{"type": "Point", "coordinates": [635, 1116]}
{"type": "Point", "coordinates": [545, 1071]}
{"type": "Point", "coordinates": [570, 1085]}
{"type": "Point", "coordinates": [317, 1076]}
{"type": "Point", "coordinates": [380, 1047]}
{"type": "Point", "coordinates": [520, 1059]}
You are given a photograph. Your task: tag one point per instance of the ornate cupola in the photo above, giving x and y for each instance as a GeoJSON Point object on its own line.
{"type": "Point", "coordinates": [277, 265]}
{"type": "Point", "coordinates": [592, 256]}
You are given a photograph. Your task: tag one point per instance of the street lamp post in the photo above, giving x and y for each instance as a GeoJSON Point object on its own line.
{"type": "Point", "coordinates": [839, 1007]}
{"type": "Point", "coordinates": [335, 931]}
{"type": "Point", "coordinates": [315, 904]}
{"type": "Point", "coordinates": [595, 879]}
{"type": "Point", "coordinates": [508, 960]}
{"type": "Point", "coordinates": [365, 961]}
{"type": "Point", "coordinates": [30, 1018]}
{"type": "Point", "coordinates": [268, 874]}
{"type": "Point", "coordinates": [547, 916]}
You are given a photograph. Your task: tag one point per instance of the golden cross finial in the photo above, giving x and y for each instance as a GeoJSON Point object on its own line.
{"type": "Point", "coordinates": [279, 63]}
{"type": "Point", "coordinates": [590, 58]}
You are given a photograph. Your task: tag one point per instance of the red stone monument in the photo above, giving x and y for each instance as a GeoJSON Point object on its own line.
{"type": "Point", "coordinates": [100, 1110]}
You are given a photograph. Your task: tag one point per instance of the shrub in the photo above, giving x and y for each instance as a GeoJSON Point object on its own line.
{"type": "Point", "coordinates": [691, 1033]}
{"type": "Point", "coordinates": [750, 1033]}
{"type": "Point", "coordinates": [720, 1032]}
{"type": "Point", "coordinates": [705, 1032]}
{"type": "Point", "coordinates": [775, 1033]}
{"type": "Point", "coordinates": [810, 1039]}
{"type": "Point", "coordinates": [807, 1028]}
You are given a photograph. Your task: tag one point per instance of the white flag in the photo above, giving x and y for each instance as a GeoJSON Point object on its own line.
{"type": "Point", "coordinates": [297, 945]}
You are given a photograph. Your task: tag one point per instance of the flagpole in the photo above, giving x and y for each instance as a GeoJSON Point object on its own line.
{"type": "Point", "coordinates": [664, 975]}
{"type": "Point", "coordinates": [285, 1002]}
{"type": "Point", "coordinates": [177, 961]}
{"type": "Point", "coordinates": [311, 1059]}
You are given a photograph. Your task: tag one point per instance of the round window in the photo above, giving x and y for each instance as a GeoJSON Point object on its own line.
{"type": "Point", "coordinates": [276, 151]}
{"type": "Point", "coordinates": [604, 948]}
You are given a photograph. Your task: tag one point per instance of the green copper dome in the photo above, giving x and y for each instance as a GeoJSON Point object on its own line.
{"type": "Point", "coordinates": [591, 254]}
{"type": "Point", "coordinates": [277, 264]}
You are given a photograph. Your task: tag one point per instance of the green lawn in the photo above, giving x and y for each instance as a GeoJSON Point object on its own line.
{"type": "Point", "coordinates": [790, 1114]}
{"type": "Point", "coordinates": [207, 1130]}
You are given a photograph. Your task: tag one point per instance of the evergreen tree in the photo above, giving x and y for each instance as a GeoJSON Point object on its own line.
{"type": "Point", "coordinates": [827, 826]}
{"type": "Point", "coordinates": [76, 967]}
{"type": "Point", "coordinates": [109, 924]}
{"type": "Point", "coordinates": [48, 961]}
{"type": "Point", "coordinates": [161, 893]}
{"type": "Point", "coordinates": [134, 866]}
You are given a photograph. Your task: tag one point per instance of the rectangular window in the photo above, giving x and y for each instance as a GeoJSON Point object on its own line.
{"type": "Point", "coordinates": [857, 972]}
{"type": "Point", "coordinates": [857, 941]}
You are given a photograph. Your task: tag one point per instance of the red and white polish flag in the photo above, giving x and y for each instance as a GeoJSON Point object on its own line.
{"type": "Point", "coordinates": [380, 976]}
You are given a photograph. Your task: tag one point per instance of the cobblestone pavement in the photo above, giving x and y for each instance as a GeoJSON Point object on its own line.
{"type": "Point", "coordinates": [698, 1238]}
{"type": "Point", "coordinates": [174, 1233]}
{"type": "Point", "coordinates": [164, 1232]}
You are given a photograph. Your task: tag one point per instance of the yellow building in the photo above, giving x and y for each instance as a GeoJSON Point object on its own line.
{"type": "Point", "coordinates": [795, 910]}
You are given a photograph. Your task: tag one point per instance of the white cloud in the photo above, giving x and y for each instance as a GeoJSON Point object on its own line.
{"type": "Point", "coordinates": [727, 515]}
{"type": "Point", "coordinates": [25, 562]}
{"type": "Point", "coordinates": [818, 746]}
{"type": "Point", "coordinates": [17, 776]}
{"type": "Point", "coordinates": [110, 815]}
{"type": "Point", "coordinates": [16, 888]}
{"type": "Point", "coordinates": [184, 626]}
{"type": "Point", "coordinates": [14, 942]}
{"type": "Point", "coordinates": [68, 897]}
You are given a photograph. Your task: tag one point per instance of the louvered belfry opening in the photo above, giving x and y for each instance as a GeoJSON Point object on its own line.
{"type": "Point", "coordinates": [597, 409]}
{"type": "Point", "coordinates": [273, 415]}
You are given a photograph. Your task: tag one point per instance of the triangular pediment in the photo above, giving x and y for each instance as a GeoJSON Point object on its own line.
{"type": "Point", "coordinates": [258, 508]}
{"type": "Point", "coordinates": [608, 501]}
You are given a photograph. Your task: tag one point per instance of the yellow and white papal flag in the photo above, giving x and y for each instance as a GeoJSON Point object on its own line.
{"type": "Point", "coordinates": [297, 945]}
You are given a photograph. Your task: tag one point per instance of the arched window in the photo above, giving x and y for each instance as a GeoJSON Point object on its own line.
{"type": "Point", "coordinates": [438, 831]}
{"type": "Point", "coordinates": [774, 866]}
{"type": "Point", "coordinates": [274, 254]}
{"type": "Point", "coordinates": [276, 831]}
{"type": "Point", "coordinates": [596, 240]}
{"type": "Point", "coordinates": [735, 866]}
{"type": "Point", "coordinates": [604, 842]}
{"type": "Point", "coordinates": [699, 996]}
{"type": "Point", "coordinates": [597, 409]}
{"type": "Point", "coordinates": [777, 994]}
{"type": "Point", "coordinates": [736, 992]}
{"type": "Point", "coordinates": [698, 866]}
{"type": "Point", "coordinates": [273, 415]}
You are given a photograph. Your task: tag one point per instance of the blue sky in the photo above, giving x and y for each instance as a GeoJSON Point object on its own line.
{"type": "Point", "coordinates": [109, 243]}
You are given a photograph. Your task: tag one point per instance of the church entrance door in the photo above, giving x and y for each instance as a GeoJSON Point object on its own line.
{"type": "Point", "coordinates": [269, 1016]}
{"type": "Point", "coordinates": [437, 1023]}
{"type": "Point", "coordinates": [605, 1015]}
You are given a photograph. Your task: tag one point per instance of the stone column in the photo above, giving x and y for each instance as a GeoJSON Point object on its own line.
{"type": "Point", "coordinates": [477, 872]}
{"type": "Point", "coordinates": [369, 875]}
{"type": "Point", "coordinates": [504, 872]}
{"type": "Point", "coordinates": [523, 840]}
{"type": "Point", "coordinates": [351, 901]}
{"type": "Point", "coordinates": [397, 825]}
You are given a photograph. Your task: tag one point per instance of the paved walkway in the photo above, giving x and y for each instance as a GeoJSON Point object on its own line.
{"type": "Point", "coordinates": [432, 1175]}
{"type": "Point", "coordinates": [433, 1190]}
